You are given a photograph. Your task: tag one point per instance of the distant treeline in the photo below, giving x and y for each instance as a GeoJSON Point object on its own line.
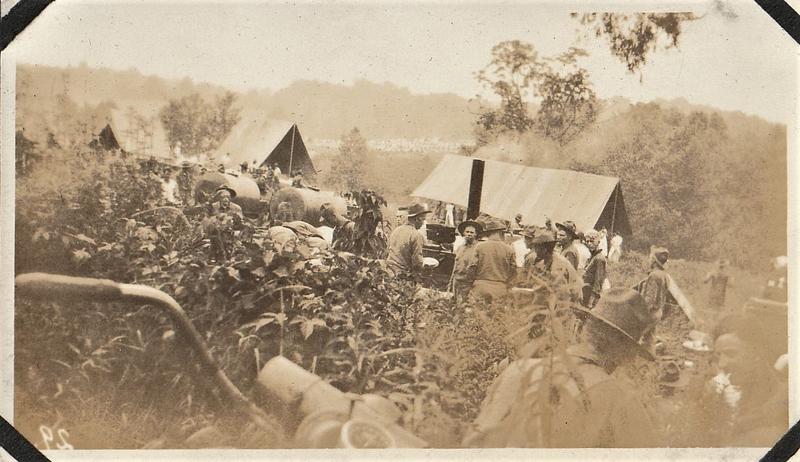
{"type": "Point", "coordinates": [322, 110]}
{"type": "Point", "coordinates": [707, 184]}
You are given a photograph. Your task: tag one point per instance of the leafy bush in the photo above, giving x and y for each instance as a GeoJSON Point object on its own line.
{"type": "Point", "coordinates": [101, 370]}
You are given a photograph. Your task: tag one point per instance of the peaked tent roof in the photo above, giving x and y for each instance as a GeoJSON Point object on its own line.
{"type": "Point", "coordinates": [105, 139]}
{"type": "Point", "coordinates": [264, 140]}
{"type": "Point", "coordinates": [588, 200]}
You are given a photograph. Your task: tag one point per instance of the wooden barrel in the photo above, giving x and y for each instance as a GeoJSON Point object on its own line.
{"type": "Point", "coordinates": [248, 196]}
{"type": "Point", "coordinates": [304, 204]}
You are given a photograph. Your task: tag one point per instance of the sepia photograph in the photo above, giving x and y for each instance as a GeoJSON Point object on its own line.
{"type": "Point", "coordinates": [513, 226]}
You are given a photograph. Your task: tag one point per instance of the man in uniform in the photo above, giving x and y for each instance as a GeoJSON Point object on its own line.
{"type": "Point", "coordinates": [494, 268]}
{"type": "Point", "coordinates": [344, 229]}
{"type": "Point", "coordinates": [465, 255]}
{"type": "Point", "coordinates": [224, 219]}
{"type": "Point", "coordinates": [655, 288]}
{"type": "Point", "coordinates": [584, 406]}
{"type": "Point", "coordinates": [595, 275]}
{"type": "Point", "coordinates": [185, 184]}
{"type": "Point", "coordinates": [568, 239]}
{"type": "Point", "coordinates": [405, 244]}
{"type": "Point", "coordinates": [544, 263]}
{"type": "Point", "coordinates": [223, 208]}
{"type": "Point", "coordinates": [517, 227]}
{"type": "Point", "coordinates": [719, 279]}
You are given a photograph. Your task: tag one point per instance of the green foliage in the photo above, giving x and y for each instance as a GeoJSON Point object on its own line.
{"type": "Point", "coordinates": [633, 37]}
{"type": "Point", "coordinates": [569, 104]}
{"type": "Point", "coordinates": [199, 126]}
{"type": "Point", "coordinates": [682, 175]}
{"type": "Point", "coordinates": [369, 236]}
{"type": "Point", "coordinates": [516, 74]}
{"type": "Point", "coordinates": [102, 368]}
{"type": "Point", "coordinates": [347, 166]}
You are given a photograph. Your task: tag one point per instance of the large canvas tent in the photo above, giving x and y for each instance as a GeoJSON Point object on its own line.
{"type": "Point", "coordinates": [266, 141]}
{"type": "Point", "coordinates": [591, 201]}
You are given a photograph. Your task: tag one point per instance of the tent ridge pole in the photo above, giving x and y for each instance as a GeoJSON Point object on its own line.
{"type": "Point", "coordinates": [291, 150]}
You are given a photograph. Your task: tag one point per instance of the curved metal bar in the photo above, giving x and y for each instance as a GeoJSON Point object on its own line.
{"type": "Point", "coordinates": [50, 286]}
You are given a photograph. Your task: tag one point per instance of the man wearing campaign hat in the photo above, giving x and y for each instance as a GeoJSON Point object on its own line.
{"type": "Point", "coordinates": [223, 205]}
{"type": "Point", "coordinates": [568, 239]}
{"type": "Point", "coordinates": [655, 288]}
{"type": "Point", "coordinates": [462, 282]}
{"type": "Point", "coordinates": [494, 268]}
{"type": "Point", "coordinates": [596, 270]}
{"type": "Point", "coordinates": [405, 244]}
{"type": "Point", "coordinates": [543, 262]}
{"type": "Point", "coordinates": [588, 407]}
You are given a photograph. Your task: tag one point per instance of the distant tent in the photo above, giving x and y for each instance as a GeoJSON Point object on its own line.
{"type": "Point", "coordinates": [105, 140]}
{"type": "Point", "coordinates": [266, 141]}
{"type": "Point", "coordinates": [591, 201]}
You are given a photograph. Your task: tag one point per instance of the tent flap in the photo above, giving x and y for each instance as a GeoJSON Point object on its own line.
{"type": "Point", "coordinates": [536, 193]}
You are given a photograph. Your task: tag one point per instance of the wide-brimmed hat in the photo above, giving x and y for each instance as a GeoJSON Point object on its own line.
{"type": "Point", "coordinates": [231, 191]}
{"type": "Point", "coordinates": [544, 236]}
{"type": "Point", "coordinates": [530, 231]}
{"type": "Point", "coordinates": [492, 224]}
{"type": "Point", "coordinates": [625, 311]}
{"type": "Point", "coordinates": [659, 254]}
{"type": "Point", "coordinates": [463, 225]}
{"type": "Point", "coordinates": [416, 209]}
{"type": "Point", "coordinates": [569, 227]}
{"type": "Point", "coordinates": [671, 376]}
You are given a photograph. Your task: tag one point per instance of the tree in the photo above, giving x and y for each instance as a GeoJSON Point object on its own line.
{"type": "Point", "coordinates": [632, 37]}
{"type": "Point", "coordinates": [569, 104]}
{"type": "Point", "coordinates": [26, 153]}
{"type": "Point", "coordinates": [510, 75]}
{"type": "Point", "coordinates": [517, 74]}
{"type": "Point", "coordinates": [347, 170]}
{"type": "Point", "coordinates": [199, 126]}
{"type": "Point", "coordinates": [140, 130]}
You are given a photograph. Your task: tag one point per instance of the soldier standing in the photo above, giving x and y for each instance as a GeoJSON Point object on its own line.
{"type": "Point", "coordinates": [494, 268]}
{"type": "Point", "coordinates": [405, 244]}
{"type": "Point", "coordinates": [465, 255]}
{"type": "Point", "coordinates": [588, 407]}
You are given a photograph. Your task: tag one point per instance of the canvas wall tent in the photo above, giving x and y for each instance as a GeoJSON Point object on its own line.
{"type": "Point", "coordinates": [105, 139]}
{"type": "Point", "coordinates": [265, 141]}
{"type": "Point", "coordinates": [591, 201]}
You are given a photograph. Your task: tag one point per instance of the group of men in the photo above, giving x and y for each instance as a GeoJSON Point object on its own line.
{"type": "Point", "coordinates": [486, 264]}
{"type": "Point", "coordinates": [616, 326]}
{"type": "Point", "coordinates": [488, 269]}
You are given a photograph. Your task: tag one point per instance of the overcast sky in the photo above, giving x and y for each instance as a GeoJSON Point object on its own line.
{"type": "Point", "coordinates": [743, 63]}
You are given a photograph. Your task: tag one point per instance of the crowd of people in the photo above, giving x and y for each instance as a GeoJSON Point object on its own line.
{"type": "Point", "coordinates": [588, 405]}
